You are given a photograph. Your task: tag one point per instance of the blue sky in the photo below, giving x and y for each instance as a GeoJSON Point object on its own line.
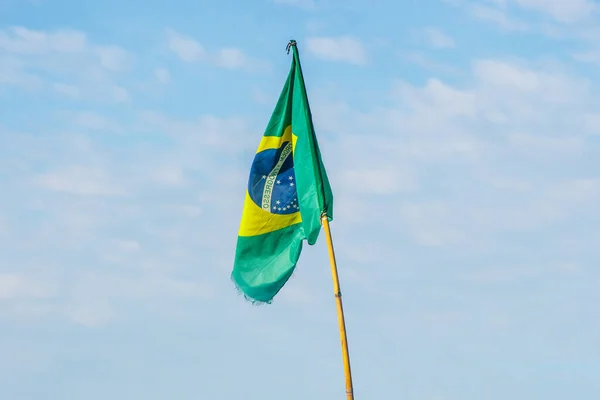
{"type": "Point", "coordinates": [461, 138]}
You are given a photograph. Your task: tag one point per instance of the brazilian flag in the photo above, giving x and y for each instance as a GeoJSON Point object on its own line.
{"type": "Point", "coordinates": [288, 193]}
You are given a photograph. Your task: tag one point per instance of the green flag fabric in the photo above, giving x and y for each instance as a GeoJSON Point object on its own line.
{"type": "Point", "coordinates": [288, 192]}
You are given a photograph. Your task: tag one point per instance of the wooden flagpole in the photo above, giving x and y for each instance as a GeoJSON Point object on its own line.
{"type": "Point", "coordinates": [340, 309]}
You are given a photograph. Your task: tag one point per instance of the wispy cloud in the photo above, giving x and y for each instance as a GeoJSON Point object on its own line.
{"type": "Point", "coordinates": [13, 73]}
{"type": "Point", "coordinates": [186, 48]}
{"type": "Point", "coordinates": [591, 56]}
{"type": "Point", "coordinates": [498, 17]}
{"type": "Point", "coordinates": [306, 4]}
{"type": "Point", "coordinates": [21, 40]}
{"type": "Point", "coordinates": [466, 196]}
{"type": "Point", "coordinates": [63, 60]}
{"type": "Point", "coordinates": [430, 64]}
{"type": "Point", "coordinates": [80, 180]}
{"type": "Point", "coordinates": [341, 48]}
{"type": "Point", "coordinates": [113, 58]}
{"type": "Point", "coordinates": [189, 50]}
{"type": "Point", "coordinates": [14, 286]}
{"type": "Point", "coordinates": [510, 15]}
{"type": "Point", "coordinates": [509, 112]}
{"type": "Point", "coordinates": [571, 11]}
{"type": "Point", "coordinates": [439, 39]}
{"type": "Point", "coordinates": [162, 75]}
{"type": "Point", "coordinates": [231, 58]}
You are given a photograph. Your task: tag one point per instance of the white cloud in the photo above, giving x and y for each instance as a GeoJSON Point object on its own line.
{"type": "Point", "coordinates": [189, 50]}
{"type": "Point", "coordinates": [502, 74]}
{"type": "Point", "coordinates": [162, 75]}
{"type": "Point", "coordinates": [170, 175]}
{"type": "Point", "coordinates": [184, 47]}
{"type": "Point", "coordinates": [92, 315]}
{"type": "Point", "coordinates": [12, 72]}
{"type": "Point", "coordinates": [450, 100]}
{"type": "Point", "coordinates": [511, 114]}
{"type": "Point", "coordinates": [447, 182]}
{"type": "Point", "coordinates": [497, 16]}
{"type": "Point", "coordinates": [128, 245]}
{"type": "Point", "coordinates": [63, 61]}
{"type": "Point", "coordinates": [431, 65]}
{"type": "Point", "coordinates": [379, 180]}
{"type": "Point", "coordinates": [66, 89]}
{"type": "Point", "coordinates": [439, 39]}
{"type": "Point", "coordinates": [503, 275]}
{"type": "Point", "coordinates": [93, 91]}
{"type": "Point", "coordinates": [570, 11]}
{"type": "Point", "coordinates": [236, 59]}
{"type": "Point", "coordinates": [342, 48]}
{"type": "Point", "coordinates": [307, 4]}
{"type": "Point", "coordinates": [554, 87]}
{"type": "Point", "coordinates": [561, 12]}
{"type": "Point", "coordinates": [113, 58]}
{"type": "Point", "coordinates": [260, 97]}
{"type": "Point", "coordinates": [592, 57]}
{"type": "Point", "coordinates": [186, 210]}
{"type": "Point", "coordinates": [204, 132]}
{"type": "Point", "coordinates": [21, 40]}
{"type": "Point", "coordinates": [548, 147]}
{"type": "Point", "coordinates": [231, 58]}
{"type": "Point", "coordinates": [4, 226]}
{"type": "Point", "coordinates": [90, 120]}
{"type": "Point", "coordinates": [64, 43]}
{"type": "Point", "coordinates": [81, 180]}
{"type": "Point", "coordinates": [118, 94]}
{"type": "Point", "coordinates": [14, 286]}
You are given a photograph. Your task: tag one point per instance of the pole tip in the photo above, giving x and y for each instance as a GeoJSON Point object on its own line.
{"type": "Point", "coordinates": [291, 43]}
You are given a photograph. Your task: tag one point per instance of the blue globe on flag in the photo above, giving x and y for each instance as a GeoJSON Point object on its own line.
{"type": "Point", "coordinates": [272, 184]}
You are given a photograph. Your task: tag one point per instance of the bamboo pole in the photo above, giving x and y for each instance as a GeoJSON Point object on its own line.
{"type": "Point", "coordinates": [340, 309]}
